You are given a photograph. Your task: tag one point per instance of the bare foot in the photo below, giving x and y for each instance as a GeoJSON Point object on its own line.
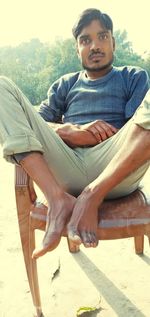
{"type": "Point", "coordinates": [58, 215]}
{"type": "Point", "coordinates": [82, 227]}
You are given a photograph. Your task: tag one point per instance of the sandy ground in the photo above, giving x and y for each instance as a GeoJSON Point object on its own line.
{"type": "Point", "coordinates": [110, 274]}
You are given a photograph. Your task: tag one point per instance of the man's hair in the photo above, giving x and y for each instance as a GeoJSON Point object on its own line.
{"type": "Point", "coordinates": [87, 17]}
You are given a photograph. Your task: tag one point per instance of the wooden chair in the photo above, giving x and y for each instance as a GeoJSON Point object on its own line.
{"type": "Point", "coordinates": [120, 218]}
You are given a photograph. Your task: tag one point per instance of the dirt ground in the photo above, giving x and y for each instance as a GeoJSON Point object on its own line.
{"type": "Point", "coordinates": [111, 275]}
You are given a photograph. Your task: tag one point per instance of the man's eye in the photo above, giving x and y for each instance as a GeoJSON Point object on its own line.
{"type": "Point", "coordinates": [103, 37]}
{"type": "Point", "coordinates": [85, 41]}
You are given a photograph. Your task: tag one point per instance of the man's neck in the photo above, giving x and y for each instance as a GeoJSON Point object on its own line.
{"type": "Point", "coordinates": [97, 74]}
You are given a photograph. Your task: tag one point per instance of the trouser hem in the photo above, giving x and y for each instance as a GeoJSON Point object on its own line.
{"type": "Point", "coordinates": [19, 144]}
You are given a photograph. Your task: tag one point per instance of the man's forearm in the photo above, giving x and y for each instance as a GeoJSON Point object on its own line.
{"type": "Point", "coordinates": [73, 134]}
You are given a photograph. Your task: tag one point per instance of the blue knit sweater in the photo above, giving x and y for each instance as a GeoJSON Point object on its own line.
{"type": "Point", "coordinates": [112, 98]}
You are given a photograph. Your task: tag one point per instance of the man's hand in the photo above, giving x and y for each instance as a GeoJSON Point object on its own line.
{"type": "Point", "coordinates": [74, 135]}
{"type": "Point", "coordinates": [84, 135]}
{"type": "Point", "coordinates": [100, 129]}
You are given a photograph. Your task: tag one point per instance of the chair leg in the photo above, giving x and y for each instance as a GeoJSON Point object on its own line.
{"type": "Point", "coordinates": [72, 247]}
{"type": "Point", "coordinates": [28, 242]}
{"type": "Point", "coordinates": [34, 274]}
{"type": "Point", "coordinates": [139, 244]}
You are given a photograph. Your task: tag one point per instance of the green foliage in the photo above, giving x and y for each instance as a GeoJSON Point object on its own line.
{"type": "Point", "coordinates": [146, 63]}
{"type": "Point", "coordinates": [25, 65]}
{"type": "Point", "coordinates": [34, 66]}
{"type": "Point", "coordinates": [124, 54]}
{"type": "Point", "coordinates": [62, 58]}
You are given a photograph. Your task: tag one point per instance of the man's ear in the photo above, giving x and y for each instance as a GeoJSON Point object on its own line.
{"type": "Point", "coordinates": [77, 50]}
{"type": "Point", "coordinates": [114, 43]}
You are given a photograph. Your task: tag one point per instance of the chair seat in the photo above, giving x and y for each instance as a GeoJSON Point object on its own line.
{"type": "Point", "coordinates": [125, 217]}
{"type": "Point", "coordinates": [118, 218]}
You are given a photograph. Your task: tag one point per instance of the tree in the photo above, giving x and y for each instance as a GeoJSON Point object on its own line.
{"type": "Point", "coordinates": [124, 54]}
{"type": "Point", "coordinates": [62, 59]}
{"type": "Point", "coordinates": [146, 62]}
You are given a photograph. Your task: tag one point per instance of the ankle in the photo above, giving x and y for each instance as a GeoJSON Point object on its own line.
{"type": "Point", "coordinates": [54, 194]}
{"type": "Point", "coordinates": [92, 196]}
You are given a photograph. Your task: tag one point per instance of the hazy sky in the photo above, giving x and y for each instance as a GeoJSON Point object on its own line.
{"type": "Point", "coordinates": [21, 20]}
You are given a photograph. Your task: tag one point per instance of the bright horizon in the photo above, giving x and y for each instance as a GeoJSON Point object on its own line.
{"type": "Point", "coordinates": [22, 20]}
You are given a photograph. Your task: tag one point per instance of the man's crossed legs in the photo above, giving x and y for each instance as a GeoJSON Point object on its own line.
{"type": "Point", "coordinates": [59, 171]}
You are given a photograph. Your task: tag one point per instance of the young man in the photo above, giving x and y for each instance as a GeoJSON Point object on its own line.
{"type": "Point", "coordinates": [102, 149]}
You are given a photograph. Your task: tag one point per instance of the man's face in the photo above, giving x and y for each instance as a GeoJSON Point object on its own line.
{"type": "Point", "coordinates": [95, 47]}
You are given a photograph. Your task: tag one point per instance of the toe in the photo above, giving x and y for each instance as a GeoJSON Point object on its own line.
{"type": "Point", "coordinates": [94, 240]}
{"type": "Point", "coordinates": [50, 242]}
{"type": "Point", "coordinates": [86, 239]}
{"type": "Point", "coordinates": [89, 239]}
{"type": "Point", "coordinates": [38, 253]}
{"type": "Point", "coordinates": [74, 236]}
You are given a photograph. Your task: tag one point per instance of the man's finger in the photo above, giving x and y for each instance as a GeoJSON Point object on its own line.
{"type": "Point", "coordinates": [95, 133]}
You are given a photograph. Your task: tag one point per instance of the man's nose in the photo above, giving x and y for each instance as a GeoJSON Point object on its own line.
{"type": "Point", "coordinates": [95, 45]}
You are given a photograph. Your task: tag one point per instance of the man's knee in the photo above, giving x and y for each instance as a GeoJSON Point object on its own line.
{"type": "Point", "coordinates": [142, 114]}
{"type": "Point", "coordinates": [5, 82]}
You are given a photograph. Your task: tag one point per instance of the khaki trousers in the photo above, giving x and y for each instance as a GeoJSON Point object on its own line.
{"type": "Point", "coordinates": [23, 130]}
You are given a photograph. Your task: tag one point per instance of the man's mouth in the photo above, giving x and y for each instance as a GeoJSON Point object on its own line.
{"type": "Point", "coordinates": [96, 56]}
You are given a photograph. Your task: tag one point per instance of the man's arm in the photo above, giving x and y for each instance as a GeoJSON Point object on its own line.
{"type": "Point", "coordinates": [84, 135]}
{"type": "Point", "coordinates": [53, 108]}
{"type": "Point", "coordinates": [137, 84]}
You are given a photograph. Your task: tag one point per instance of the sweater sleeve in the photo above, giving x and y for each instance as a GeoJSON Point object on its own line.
{"type": "Point", "coordinates": [53, 107]}
{"type": "Point", "coordinates": [137, 83]}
